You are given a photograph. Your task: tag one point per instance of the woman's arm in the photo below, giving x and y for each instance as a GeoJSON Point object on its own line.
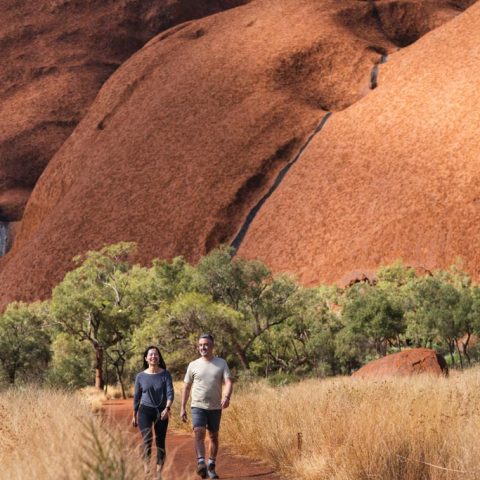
{"type": "Point", "coordinates": [136, 400]}
{"type": "Point", "coordinates": [170, 396]}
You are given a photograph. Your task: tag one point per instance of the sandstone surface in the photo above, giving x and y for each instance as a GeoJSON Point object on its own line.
{"type": "Point", "coordinates": [54, 56]}
{"type": "Point", "coordinates": [405, 363]}
{"type": "Point", "coordinates": [187, 136]}
{"type": "Point", "coordinates": [394, 176]}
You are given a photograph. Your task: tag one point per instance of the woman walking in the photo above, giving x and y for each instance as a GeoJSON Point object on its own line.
{"type": "Point", "coordinates": [151, 405]}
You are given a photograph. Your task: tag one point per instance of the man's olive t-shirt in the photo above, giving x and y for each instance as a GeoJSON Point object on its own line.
{"type": "Point", "coordinates": [207, 378]}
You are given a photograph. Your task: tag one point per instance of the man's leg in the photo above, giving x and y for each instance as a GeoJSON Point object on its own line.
{"type": "Point", "coordinates": [200, 441]}
{"type": "Point", "coordinates": [213, 437]}
{"type": "Point", "coordinates": [214, 417]}
{"type": "Point", "coordinates": [199, 422]}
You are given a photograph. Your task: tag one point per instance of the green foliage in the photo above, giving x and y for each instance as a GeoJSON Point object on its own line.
{"type": "Point", "coordinates": [92, 301]}
{"type": "Point", "coordinates": [72, 363]}
{"type": "Point", "coordinates": [372, 318]}
{"type": "Point", "coordinates": [24, 342]}
{"type": "Point", "coordinates": [248, 287]}
{"type": "Point", "coordinates": [304, 343]}
{"type": "Point", "coordinates": [176, 327]}
{"type": "Point", "coordinates": [106, 311]}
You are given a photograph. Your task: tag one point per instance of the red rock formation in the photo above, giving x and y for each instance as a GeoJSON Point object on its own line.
{"type": "Point", "coordinates": [186, 137]}
{"type": "Point", "coordinates": [395, 176]}
{"type": "Point", "coordinates": [54, 56]}
{"type": "Point", "coordinates": [405, 363]}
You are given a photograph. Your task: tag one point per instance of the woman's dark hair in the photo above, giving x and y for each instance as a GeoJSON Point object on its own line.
{"type": "Point", "coordinates": [161, 361]}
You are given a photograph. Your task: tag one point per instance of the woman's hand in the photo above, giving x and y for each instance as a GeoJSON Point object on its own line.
{"type": "Point", "coordinates": [134, 420]}
{"type": "Point", "coordinates": [165, 413]}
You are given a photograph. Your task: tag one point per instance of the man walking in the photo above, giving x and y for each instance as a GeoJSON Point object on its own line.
{"type": "Point", "coordinates": [206, 375]}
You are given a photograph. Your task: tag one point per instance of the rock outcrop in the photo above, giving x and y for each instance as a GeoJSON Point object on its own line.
{"type": "Point", "coordinates": [187, 136]}
{"type": "Point", "coordinates": [395, 176]}
{"type": "Point", "coordinates": [54, 57]}
{"type": "Point", "coordinates": [405, 363]}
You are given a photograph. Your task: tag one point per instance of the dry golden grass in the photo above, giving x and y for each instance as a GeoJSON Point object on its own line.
{"type": "Point", "coordinates": [410, 429]}
{"type": "Point", "coordinates": [46, 434]}
{"type": "Point", "coordinates": [95, 397]}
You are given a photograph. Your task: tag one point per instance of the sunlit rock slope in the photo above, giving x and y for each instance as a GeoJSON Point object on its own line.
{"type": "Point", "coordinates": [397, 175]}
{"type": "Point", "coordinates": [190, 133]}
{"type": "Point", "coordinates": [54, 56]}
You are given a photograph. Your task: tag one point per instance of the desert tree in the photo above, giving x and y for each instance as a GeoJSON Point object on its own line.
{"type": "Point", "coordinates": [304, 343]}
{"type": "Point", "coordinates": [91, 302]}
{"type": "Point", "coordinates": [24, 341]}
{"type": "Point", "coordinates": [249, 288]}
{"type": "Point", "coordinates": [176, 326]}
{"type": "Point", "coordinates": [436, 311]}
{"type": "Point", "coordinates": [372, 316]}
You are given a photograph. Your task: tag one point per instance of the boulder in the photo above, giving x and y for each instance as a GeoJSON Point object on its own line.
{"type": "Point", "coordinates": [405, 363]}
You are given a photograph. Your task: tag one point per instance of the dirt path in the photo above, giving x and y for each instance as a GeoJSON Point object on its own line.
{"type": "Point", "coordinates": [181, 462]}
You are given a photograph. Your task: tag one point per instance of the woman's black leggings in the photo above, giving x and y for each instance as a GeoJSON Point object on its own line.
{"type": "Point", "coordinates": [148, 417]}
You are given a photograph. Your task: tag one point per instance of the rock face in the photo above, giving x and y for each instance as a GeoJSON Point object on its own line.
{"type": "Point", "coordinates": [189, 134]}
{"type": "Point", "coordinates": [395, 176]}
{"type": "Point", "coordinates": [54, 56]}
{"type": "Point", "coordinates": [406, 363]}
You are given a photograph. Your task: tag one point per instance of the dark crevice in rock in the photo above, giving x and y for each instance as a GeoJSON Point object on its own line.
{"type": "Point", "coordinates": [232, 213]}
{"type": "Point", "coordinates": [195, 34]}
{"type": "Point", "coordinates": [374, 74]}
{"type": "Point", "coordinates": [376, 16]}
{"type": "Point", "coordinates": [237, 241]}
{"type": "Point", "coordinates": [4, 238]}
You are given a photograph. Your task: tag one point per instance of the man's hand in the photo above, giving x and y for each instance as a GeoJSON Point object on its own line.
{"type": "Point", "coordinates": [183, 414]}
{"type": "Point", "coordinates": [225, 402]}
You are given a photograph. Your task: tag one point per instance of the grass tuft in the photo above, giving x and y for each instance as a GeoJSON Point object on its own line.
{"type": "Point", "coordinates": [346, 429]}
{"type": "Point", "coordinates": [53, 434]}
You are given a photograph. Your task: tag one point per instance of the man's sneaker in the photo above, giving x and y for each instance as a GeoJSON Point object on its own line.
{"type": "Point", "coordinates": [202, 469]}
{"type": "Point", "coordinates": [211, 471]}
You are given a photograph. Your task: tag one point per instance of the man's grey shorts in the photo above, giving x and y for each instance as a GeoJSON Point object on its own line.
{"type": "Point", "coordinates": [206, 418]}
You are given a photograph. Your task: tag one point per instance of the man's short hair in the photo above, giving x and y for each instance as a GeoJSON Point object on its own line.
{"type": "Point", "coordinates": [208, 336]}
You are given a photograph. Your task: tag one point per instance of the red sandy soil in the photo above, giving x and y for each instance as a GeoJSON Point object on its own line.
{"type": "Point", "coordinates": [190, 132]}
{"type": "Point", "coordinates": [54, 57]}
{"type": "Point", "coordinates": [406, 363]}
{"type": "Point", "coordinates": [181, 459]}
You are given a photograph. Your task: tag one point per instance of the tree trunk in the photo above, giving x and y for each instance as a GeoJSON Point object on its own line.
{"type": "Point", "coordinates": [99, 368]}
{"type": "Point", "coordinates": [242, 357]}
{"type": "Point", "coordinates": [465, 348]}
{"type": "Point", "coordinates": [467, 355]}
{"type": "Point", "coordinates": [119, 370]}
{"type": "Point", "coordinates": [459, 354]}
{"type": "Point", "coordinates": [11, 375]}
{"type": "Point", "coordinates": [452, 351]}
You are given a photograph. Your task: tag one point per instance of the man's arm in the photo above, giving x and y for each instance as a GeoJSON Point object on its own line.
{"type": "Point", "coordinates": [228, 392]}
{"type": "Point", "coordinates": [185, 394]}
